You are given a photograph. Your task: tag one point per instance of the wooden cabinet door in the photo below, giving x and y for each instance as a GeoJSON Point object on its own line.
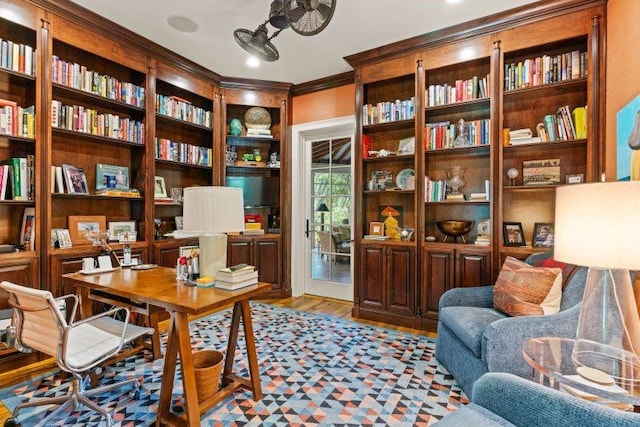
{"type": "Point", "coordinates": [473, 267]}
{"type": "Point", "coordinates": [373, 277]}
{"type": "Point", "coordinates": [240, 251]}
{"type": "Point", "coordinates": [400, 280]}
{"type": "Point", "coordinates": [19, 270]}
{"type": "Point", "coordinates": [267, 260]}
{"type": "Point", "coordinates": [439, 271]}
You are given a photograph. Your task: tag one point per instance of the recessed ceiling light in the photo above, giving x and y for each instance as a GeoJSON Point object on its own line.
{"type": "Point", "coordinates": [466, 53]}
{"type": "Point", "coordinates": [453, 1]}
{"type": "Point", "coordinates": [253, 62]}
{"type": "Point", "coordinates": [182, 24]}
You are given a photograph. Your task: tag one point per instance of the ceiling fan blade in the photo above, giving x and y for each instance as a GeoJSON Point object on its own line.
{"type": "Point", "coordinates": [325, 10]}
{"type": "Point", "coordinates": [294, 15]}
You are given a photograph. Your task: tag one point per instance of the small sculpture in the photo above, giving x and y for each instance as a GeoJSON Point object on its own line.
{"type": "Point", "coordinates": [235, 127]}
{"type": "Point", "coordinates": [512, 173]}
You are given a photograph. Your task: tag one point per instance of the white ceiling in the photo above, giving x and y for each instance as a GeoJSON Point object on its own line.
{"type": "Point", "coordinates": [356, 26]}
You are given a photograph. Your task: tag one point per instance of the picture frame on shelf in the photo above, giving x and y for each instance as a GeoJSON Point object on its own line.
{"type": "Point", "coordinates": [513, 234]}
{"type": "Point", "coordinates": [112, 177]}
{"type": "Point", "coordinates": [179, 222]}
{"type": "Point", "coordinates": [376, 228]}
{"type": "Point", "coordinates": [160, 189]}
{"type": "Point", "coordinates": [406, 146]}
{"type": "Point", "coordinates": [76, 179]}
{"type": "Point", "coordinates": [81, 226]}
{"type": "Point", "coordinates": [577, 178]}
{"type": "Point", "coordinates": [118, 228]}
{"type": "Point", "coordinates": [543, 234]}
{"type": "Point", "coordinates": [188, 251]}
{"type": "Point", "coordinates": [27, 231]}
{"type": "Point", "coordinates": [64, 238]}
{"type": "Point", "coordinates": [541, 172]}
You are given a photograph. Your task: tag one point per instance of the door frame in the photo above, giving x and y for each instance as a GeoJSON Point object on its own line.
{"type": "Point", "coordinates": [299, 135]}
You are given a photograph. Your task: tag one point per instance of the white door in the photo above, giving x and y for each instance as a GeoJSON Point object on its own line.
{"type": "Point", "coordinates": [329, 209]}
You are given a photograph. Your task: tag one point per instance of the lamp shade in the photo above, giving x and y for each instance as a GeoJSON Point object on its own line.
{"type": "Point", "coordinates": [598, 225]}
{"type": "Point", "coordinates": [213, 210]}
{"type": "Point", "coordinates": [322, 207]}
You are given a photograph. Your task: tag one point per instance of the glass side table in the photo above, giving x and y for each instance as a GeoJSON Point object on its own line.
{"type": "Point", "coordinates": [550, 360]}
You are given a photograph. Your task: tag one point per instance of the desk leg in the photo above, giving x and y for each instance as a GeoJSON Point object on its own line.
{"type": "Point", "coordinates": [86, 305]}
{"type": "Point", "coordinates": [168, 372]}
{"type": "Point", "coordinates": [252, 355]}
{"type": "Point", "coordinates": [242, 310]}
{"type": "Point", "coordinates": [188, 372]}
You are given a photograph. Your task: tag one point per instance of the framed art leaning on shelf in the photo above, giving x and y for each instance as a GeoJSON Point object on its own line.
{"type": "Point", "coordinates": [76, 180]}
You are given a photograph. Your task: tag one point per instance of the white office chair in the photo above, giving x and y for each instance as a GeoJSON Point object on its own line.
{"type": "Point", "coordinates": [78, 346]}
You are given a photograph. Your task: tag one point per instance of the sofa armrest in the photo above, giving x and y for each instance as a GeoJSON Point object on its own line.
{"type": "Point", "coordinates": [467, 297]}
{"type": "Point", "coordinates": [504, 339]}
{"type": "Point", "coordinates": [525, 403]}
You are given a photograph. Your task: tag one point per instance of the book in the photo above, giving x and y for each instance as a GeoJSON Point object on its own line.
{"type": "Point", "coordinates": [232, 286]}
{"type": "Point", "coordinates": [234, 278]}
{"type": "Point", "coordinates": [59, 180]}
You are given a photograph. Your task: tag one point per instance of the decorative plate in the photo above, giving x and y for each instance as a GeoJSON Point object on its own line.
{"type": "Point", "coordinates": [257, 118]}
{"type": "Point", "coordinates": [401, 179]}
{"type": "Point", "coordinates": [144, 266]}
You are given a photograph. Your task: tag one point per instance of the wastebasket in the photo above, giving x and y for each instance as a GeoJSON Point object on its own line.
{"type": "Point", "coordinates": [208, 366]}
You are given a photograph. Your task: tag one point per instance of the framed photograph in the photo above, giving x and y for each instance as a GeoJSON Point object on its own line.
{"type": "Point", "coordinates": [179, 222]}
{"type": "Point", "coordinates": [160, 189]}
{"type": "Point", "coordinates": [407, 145]}
{"type": "Point", "coordinates": [27, 232]}
{"type": "Point", "coordinates": [541, 172]}
{"type": "Point", "coordinates": [126, 237]}
{"type": "Point", "coordinates": [188, 251]}
{"type": "Point", "coordinates": [121, 227]}
{"type": "Point", "coordinates": [376, 228]}
{"type": "Point", "coordinates": [64, 238]}
{"type": "Point", "coordinates": [81, 226]}
{"type": "Point", "coordinates": [112, 176]}
{"type": "Point", "coordinates": [75, 179]}
{"type": "Point", "coordinates": [513, 234]}
{"type": "Point", "coordinates": [543, 235]}
{"type": "Point", "coordinates": [575, 179]}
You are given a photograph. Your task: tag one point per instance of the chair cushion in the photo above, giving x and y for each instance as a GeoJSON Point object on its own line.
{"type": "Point", "coordinates": [524, 290]}
{"type": "Point", "coordinates": [468, 324]}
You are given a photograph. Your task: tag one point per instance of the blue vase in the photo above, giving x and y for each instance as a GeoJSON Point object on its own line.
{"type": "Point", "coordinates": [235, 127]}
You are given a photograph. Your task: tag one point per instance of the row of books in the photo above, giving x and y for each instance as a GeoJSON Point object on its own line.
{"type": "Point", "coordinates": [442, 135]}
{"type": "Point", "coordinates": [545, 69]}
{"type": "Point", "coordinates": [236, 277]}
{"type": "Point", "coordinates": [182, 152]}
{"type": "Point", "coordinates": [16, 120]}
{"type": "Point", "coordinates": [182, 109]}
{"type": "Point", "coordinates": [79, 77]}
{"type": "Point", "coordinates": [82, 119]}
{"type": "Point", "coordinates": [564, 125]}
{"type": "Point", "coordinates": [17, 57]}
{"type": "Point", "coordinates": [17, 178]}
{"type": "Point", "coordinates": [434, 191]}
{"type": "Point", "coordinates": [389, 111]}
{"type": "Point", "coordinates": [462, 90]}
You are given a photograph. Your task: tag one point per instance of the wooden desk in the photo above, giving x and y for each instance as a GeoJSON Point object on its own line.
{"type": "Point", "coordinates": [158, 287]}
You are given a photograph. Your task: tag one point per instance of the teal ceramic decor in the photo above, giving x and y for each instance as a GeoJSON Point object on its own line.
{"type": "Point", "coordinates": [235, 127]}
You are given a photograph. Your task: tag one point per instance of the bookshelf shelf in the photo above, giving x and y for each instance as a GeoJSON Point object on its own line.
{"type": "Point", "coordinates": [95, 138]}
{"type": "Point", "coordinates": [459, 107]}
{"type": "Point", "coordinates": [174, 121]}
{"type": "Point", "coordinates": [84, 96]}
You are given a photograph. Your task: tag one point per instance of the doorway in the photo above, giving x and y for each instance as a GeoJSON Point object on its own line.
{"type": "Point", "coordinates": [323, 209]}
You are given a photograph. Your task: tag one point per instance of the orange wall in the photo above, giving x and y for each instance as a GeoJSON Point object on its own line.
{"type": "Point", "coordinates": [623, 63]}
{"type": "Point", "coordinates": [323, 105]}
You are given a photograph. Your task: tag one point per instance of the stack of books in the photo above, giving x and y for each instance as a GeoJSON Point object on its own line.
{"type": "Point", "coordinates": [523, 136]}
{"type": "Point", "coordinates": [259, 133]}
{"type": "Point", "coordinates": [236, 277]}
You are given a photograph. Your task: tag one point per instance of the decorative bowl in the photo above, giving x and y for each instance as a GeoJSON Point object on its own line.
{"type": "Point", "coordinates": [454, 228]}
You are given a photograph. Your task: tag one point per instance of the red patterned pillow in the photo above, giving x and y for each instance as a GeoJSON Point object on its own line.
{"type": "Point", "coordinates": [524, 290]}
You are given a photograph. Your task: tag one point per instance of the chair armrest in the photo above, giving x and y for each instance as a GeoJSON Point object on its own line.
{"type": "Point", "coordinates": [526, 403]}
{"type": "Point", "coordinates": [74, 308]}
{"type": "Point", "coordinates": [467, 297]}
{"type": "Point", "coordinates": [504, 339]}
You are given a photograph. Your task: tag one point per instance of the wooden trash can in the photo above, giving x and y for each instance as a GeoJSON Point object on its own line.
{"type": "Point", "coordinates": [208, 367]}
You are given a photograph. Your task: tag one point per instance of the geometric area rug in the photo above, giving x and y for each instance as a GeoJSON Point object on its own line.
{"type": "Point", "coordinates": [316, 370]}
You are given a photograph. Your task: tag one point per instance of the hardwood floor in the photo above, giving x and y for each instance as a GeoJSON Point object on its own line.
{"type": "Point", "coordinates": [311, 304]}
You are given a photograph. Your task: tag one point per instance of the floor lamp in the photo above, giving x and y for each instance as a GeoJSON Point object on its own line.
{"type": "Point", "coordinates": [209, 213]}
{"type": "Point", "coordinates": [597, 225]}
{"type": "Point", "coordinates": [322, 208]}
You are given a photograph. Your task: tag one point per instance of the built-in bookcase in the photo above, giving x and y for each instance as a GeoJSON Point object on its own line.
{"type": "Point", "coordinates": [183, 146]}
{"type": "Point", "coordinates": [97, 117]}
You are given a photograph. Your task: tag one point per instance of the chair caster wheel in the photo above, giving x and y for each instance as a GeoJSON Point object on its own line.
{"type": "Point", "coordinates": [12, 422]}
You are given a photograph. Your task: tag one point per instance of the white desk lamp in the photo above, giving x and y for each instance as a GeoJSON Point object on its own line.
{"type": "Point", "coordinates": [209, 212]}
{"type": "Point", "coordinates": [598, 225]}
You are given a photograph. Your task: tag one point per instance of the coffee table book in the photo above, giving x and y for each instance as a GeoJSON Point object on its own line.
{"type": "Point", "coordinates": [238, 283]}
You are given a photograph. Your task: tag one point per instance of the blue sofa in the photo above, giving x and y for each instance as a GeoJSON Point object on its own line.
{"type": "Point", "coordinates": [500, 399]}
{"type": "Point", "coordinates": [475, 338]}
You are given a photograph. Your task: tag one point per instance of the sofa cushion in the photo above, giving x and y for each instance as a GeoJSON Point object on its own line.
{"type": "Point", "coordinates": [524, 290]}
{"type": "Point", "coordinates": [468, 324]}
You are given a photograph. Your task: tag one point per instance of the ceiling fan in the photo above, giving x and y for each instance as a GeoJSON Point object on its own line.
{"type": "Point", "coordinates": [306, 17]}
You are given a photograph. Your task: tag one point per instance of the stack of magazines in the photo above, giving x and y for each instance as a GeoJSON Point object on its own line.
{"type": "Point", "coordinates": [236, 277]}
